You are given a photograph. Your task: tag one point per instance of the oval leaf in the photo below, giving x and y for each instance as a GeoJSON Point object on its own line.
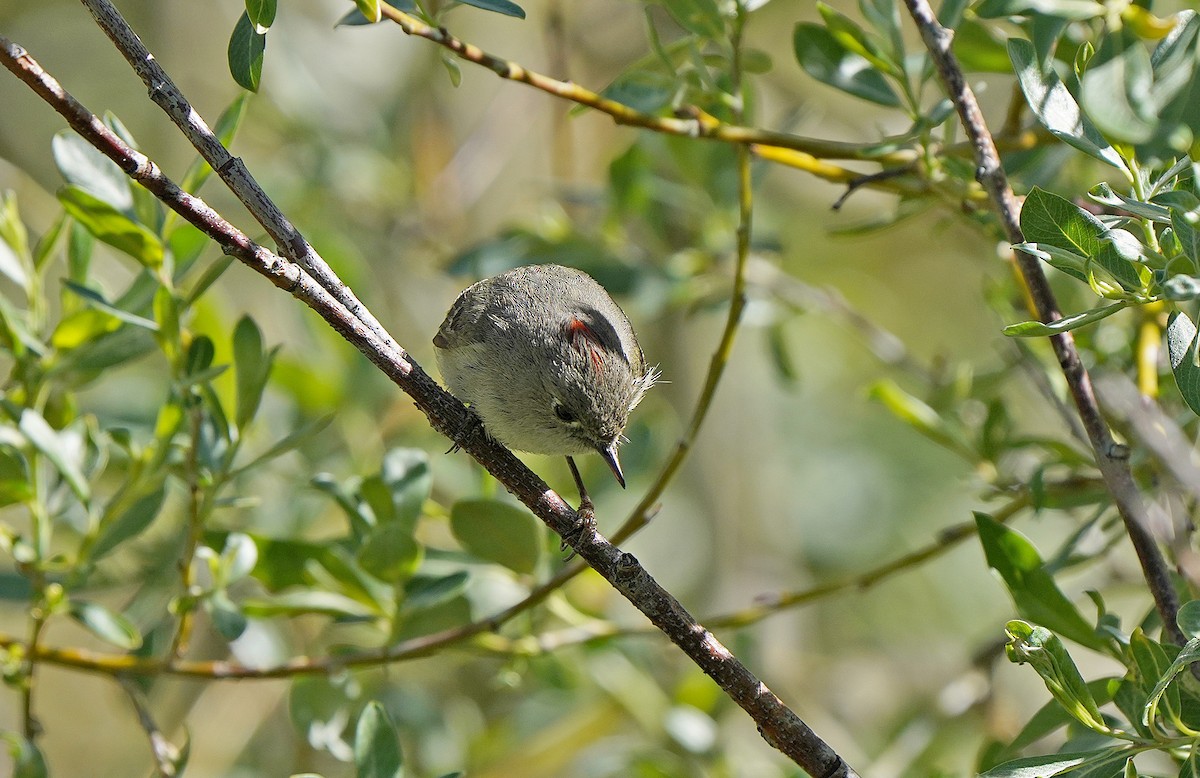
{"type": "Point", "coordinates": [246, 49]}
{"type": "Point", "coordinates": [498, 532]}
{"type": "Point", "coordinates": [128, 524]}
{"type": "Point", "coordinates": [1181, 347]}
{"type": "Point", "coordinates": [112, 226]}
{"type": "Point", "coordinates": [376, 747]}
{"type": "Point", "coordinates": [825, 59]}
{"type": "Point", "coordinates": [106, 625]}
{"type": "Point", "coordinates": [1055, 107]}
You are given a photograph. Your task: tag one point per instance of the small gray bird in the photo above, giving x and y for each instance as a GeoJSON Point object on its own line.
{"type": "Point", "coordinates": [547, 360]}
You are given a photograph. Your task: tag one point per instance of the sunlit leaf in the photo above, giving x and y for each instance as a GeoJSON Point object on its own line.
{"type": "Point", "coordinates": [825, 59]}
{"type": "Point", "coordinates": [1032, 588]}
{"type": "Point", "coordinates": [105, 624]}
{"type": "Point", "coordinates": [246, 49]}
{"type": "Point", "coordinates": [111, 226]}
{"type": "Point", "coordinates": [1054, 105]}
{"type": "Point", "coordinates": [498, 532]}
{"type": "Point", "coordinates": [376, 747]}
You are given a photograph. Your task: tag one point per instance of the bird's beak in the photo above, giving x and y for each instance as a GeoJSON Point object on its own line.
{"type": "Point", "coordinates": [609, 453]}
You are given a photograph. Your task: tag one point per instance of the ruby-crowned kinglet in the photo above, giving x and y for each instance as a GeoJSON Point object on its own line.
{"type": "Point", "coordinates": [547, 360]}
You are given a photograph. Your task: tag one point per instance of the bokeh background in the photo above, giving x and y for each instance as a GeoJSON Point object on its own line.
{"type": "Point", "coordinates": [797, 479]}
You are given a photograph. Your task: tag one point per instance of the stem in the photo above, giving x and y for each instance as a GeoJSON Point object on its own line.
{"type": "Point", "coordinates": [1111, 459]}
{"type": "Point", "coordinates": [194, 532]}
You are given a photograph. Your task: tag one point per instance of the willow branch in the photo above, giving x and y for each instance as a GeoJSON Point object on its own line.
{"type": "Point", "coordinates": [777, 723]}
{"type": "Point", "coordinates": [1110, 458]}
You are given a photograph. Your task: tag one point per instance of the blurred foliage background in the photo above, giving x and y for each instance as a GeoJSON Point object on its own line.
{"type": "Point", "coordinates": [414, 179]}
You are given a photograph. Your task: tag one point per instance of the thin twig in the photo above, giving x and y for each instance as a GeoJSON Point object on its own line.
{"type": "Point", "coordinates": [1111, 459]}
{"type": "Point", "coordinates": [166, 755]}
{"type": "Point", "coordinates": [695, 125]}
{"type": "Point", "coordinates": [777, 723]}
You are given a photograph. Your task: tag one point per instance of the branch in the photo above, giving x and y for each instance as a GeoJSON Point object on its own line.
{"type": "Point", "coordinates": [1111, 459]}
{"type": "Point", "coordinates": [694, 124]}
{"type": "Point", "coordinates": [777, 723]}
{"type": "Point", "coordinates": [166, 755]}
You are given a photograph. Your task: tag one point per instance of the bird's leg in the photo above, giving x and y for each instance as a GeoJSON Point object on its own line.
{"type": "Point", "coordinates": [586, 511]}
{"type": "Point", "coordinates": [471, 424]}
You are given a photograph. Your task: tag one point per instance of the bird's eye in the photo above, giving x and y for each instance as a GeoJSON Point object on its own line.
{"type": "Point", "coordinates": [564, 413]}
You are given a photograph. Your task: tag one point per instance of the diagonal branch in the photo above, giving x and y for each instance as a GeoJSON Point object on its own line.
{"type": "Point", "coordinates": [1111, 459]}
{"type": "Point", "coordinates": [777, 723]}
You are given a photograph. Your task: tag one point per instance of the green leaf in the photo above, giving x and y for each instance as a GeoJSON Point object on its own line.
{"type": "Point", "coordinates": [213, 272]}
{"type": "Point", "coordinates": [293, 440]}
{"type": "Point", "coordinates": [646, 91]}
{"type": "Point", "coordinates": [1116, 89]}
{"type": "Point", "coordinates": [981, 48]}
{"type": "Point", "coordinates": [1030, 329]}
{"type": "Point", "coordinates": [130, 523]}
{"type": "Point", "coordinates": [54, 445]}
{"type": "Point", "coordinates": [84, 326]}
{"type": "Point", "coordinates": [450, 614]}
{"type": "Point", "coordinates": [1181, 348]}
{"type": "Point", "coordinates": [111, 226]}
{"type": "Point", "coordinates": [1176, 92]}
{"type": "Point", "coordinates": [1104, 194]}
{"type": "Point", "coordinates": [79, 253]}
{"type": "Point", "coordinates": [1072, 10]}
{"type": "Point", "coordinates": [106, 625]}
{"type": "Point", "coordinates": [1191, 766]}
{"type": "Point", "coordinates": [12, 266]}
{"type": "Point", "coordinates": [1050, 220]}
{"type": "Point", "coordinates": [370, 9]}
{"type": "Point", "coordinates": [86, 167]}
{"type": "Point", "coordinates": [1189, 654]}
{"type": "Point", "coordinates": [252, 368]}
{"type": "Point", "coordinates": [376, 747]}
{"type": "Point", "coordinates": [246, 49]}
{"type": "Point", "coordinates": [825, 59]}
{"type": "Point", "coordinates": [1055, 107]}
{"type": "Point", "coordinates": [854, 39]}
{"type": "Point", "coordinates": [1042, 649]}
{"type": "Point", "coordinates": [27, 760]}
{"type": "Point", "coordinates": [97, 300]}
{"type": "Point", "coordinates": [917, 414]}
{"type": "Point", "coordinates": [1188, 618]}
{"type": "Point", "coordinates": [1039, 766]}
{"type": "Point", "coordinates": [421, 592]}
{"type": "Point", "coordinates": [227, 618]}
{"type": "Point", "coordinates": [166, 315]}
{"type": "Point", "coordinates": [405, 473]}
{"type": "Point", "coordinates": [498, 532]}
{"type": "Point", "coordinates": [200, 354]}
{"type": "Point", "coordinates": [107, 350]}
{"type": "Point", "coordinates": [1184, 225]}
{"type": "Point", "coordinates": [1033, 590]}
{"type": "Point", "coordinates": [699, 17]}
{"type": "Point", "coordinates": [498, 6]}
{"type": "Point", "coordinates": [390, 552]}
{"type": "Point", "coordinates": [261, 13]}
{"type": "Point", "coordinates": [295, 603]}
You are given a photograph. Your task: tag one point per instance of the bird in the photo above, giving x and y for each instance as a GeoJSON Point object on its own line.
{"type": "Point", "coordinates": [548, 362]}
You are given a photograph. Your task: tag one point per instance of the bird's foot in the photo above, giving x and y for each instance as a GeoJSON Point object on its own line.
{"type": "Point", "coordinates": [585, 525]}
{"type": "Point", "coordinates": [472, 425]}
